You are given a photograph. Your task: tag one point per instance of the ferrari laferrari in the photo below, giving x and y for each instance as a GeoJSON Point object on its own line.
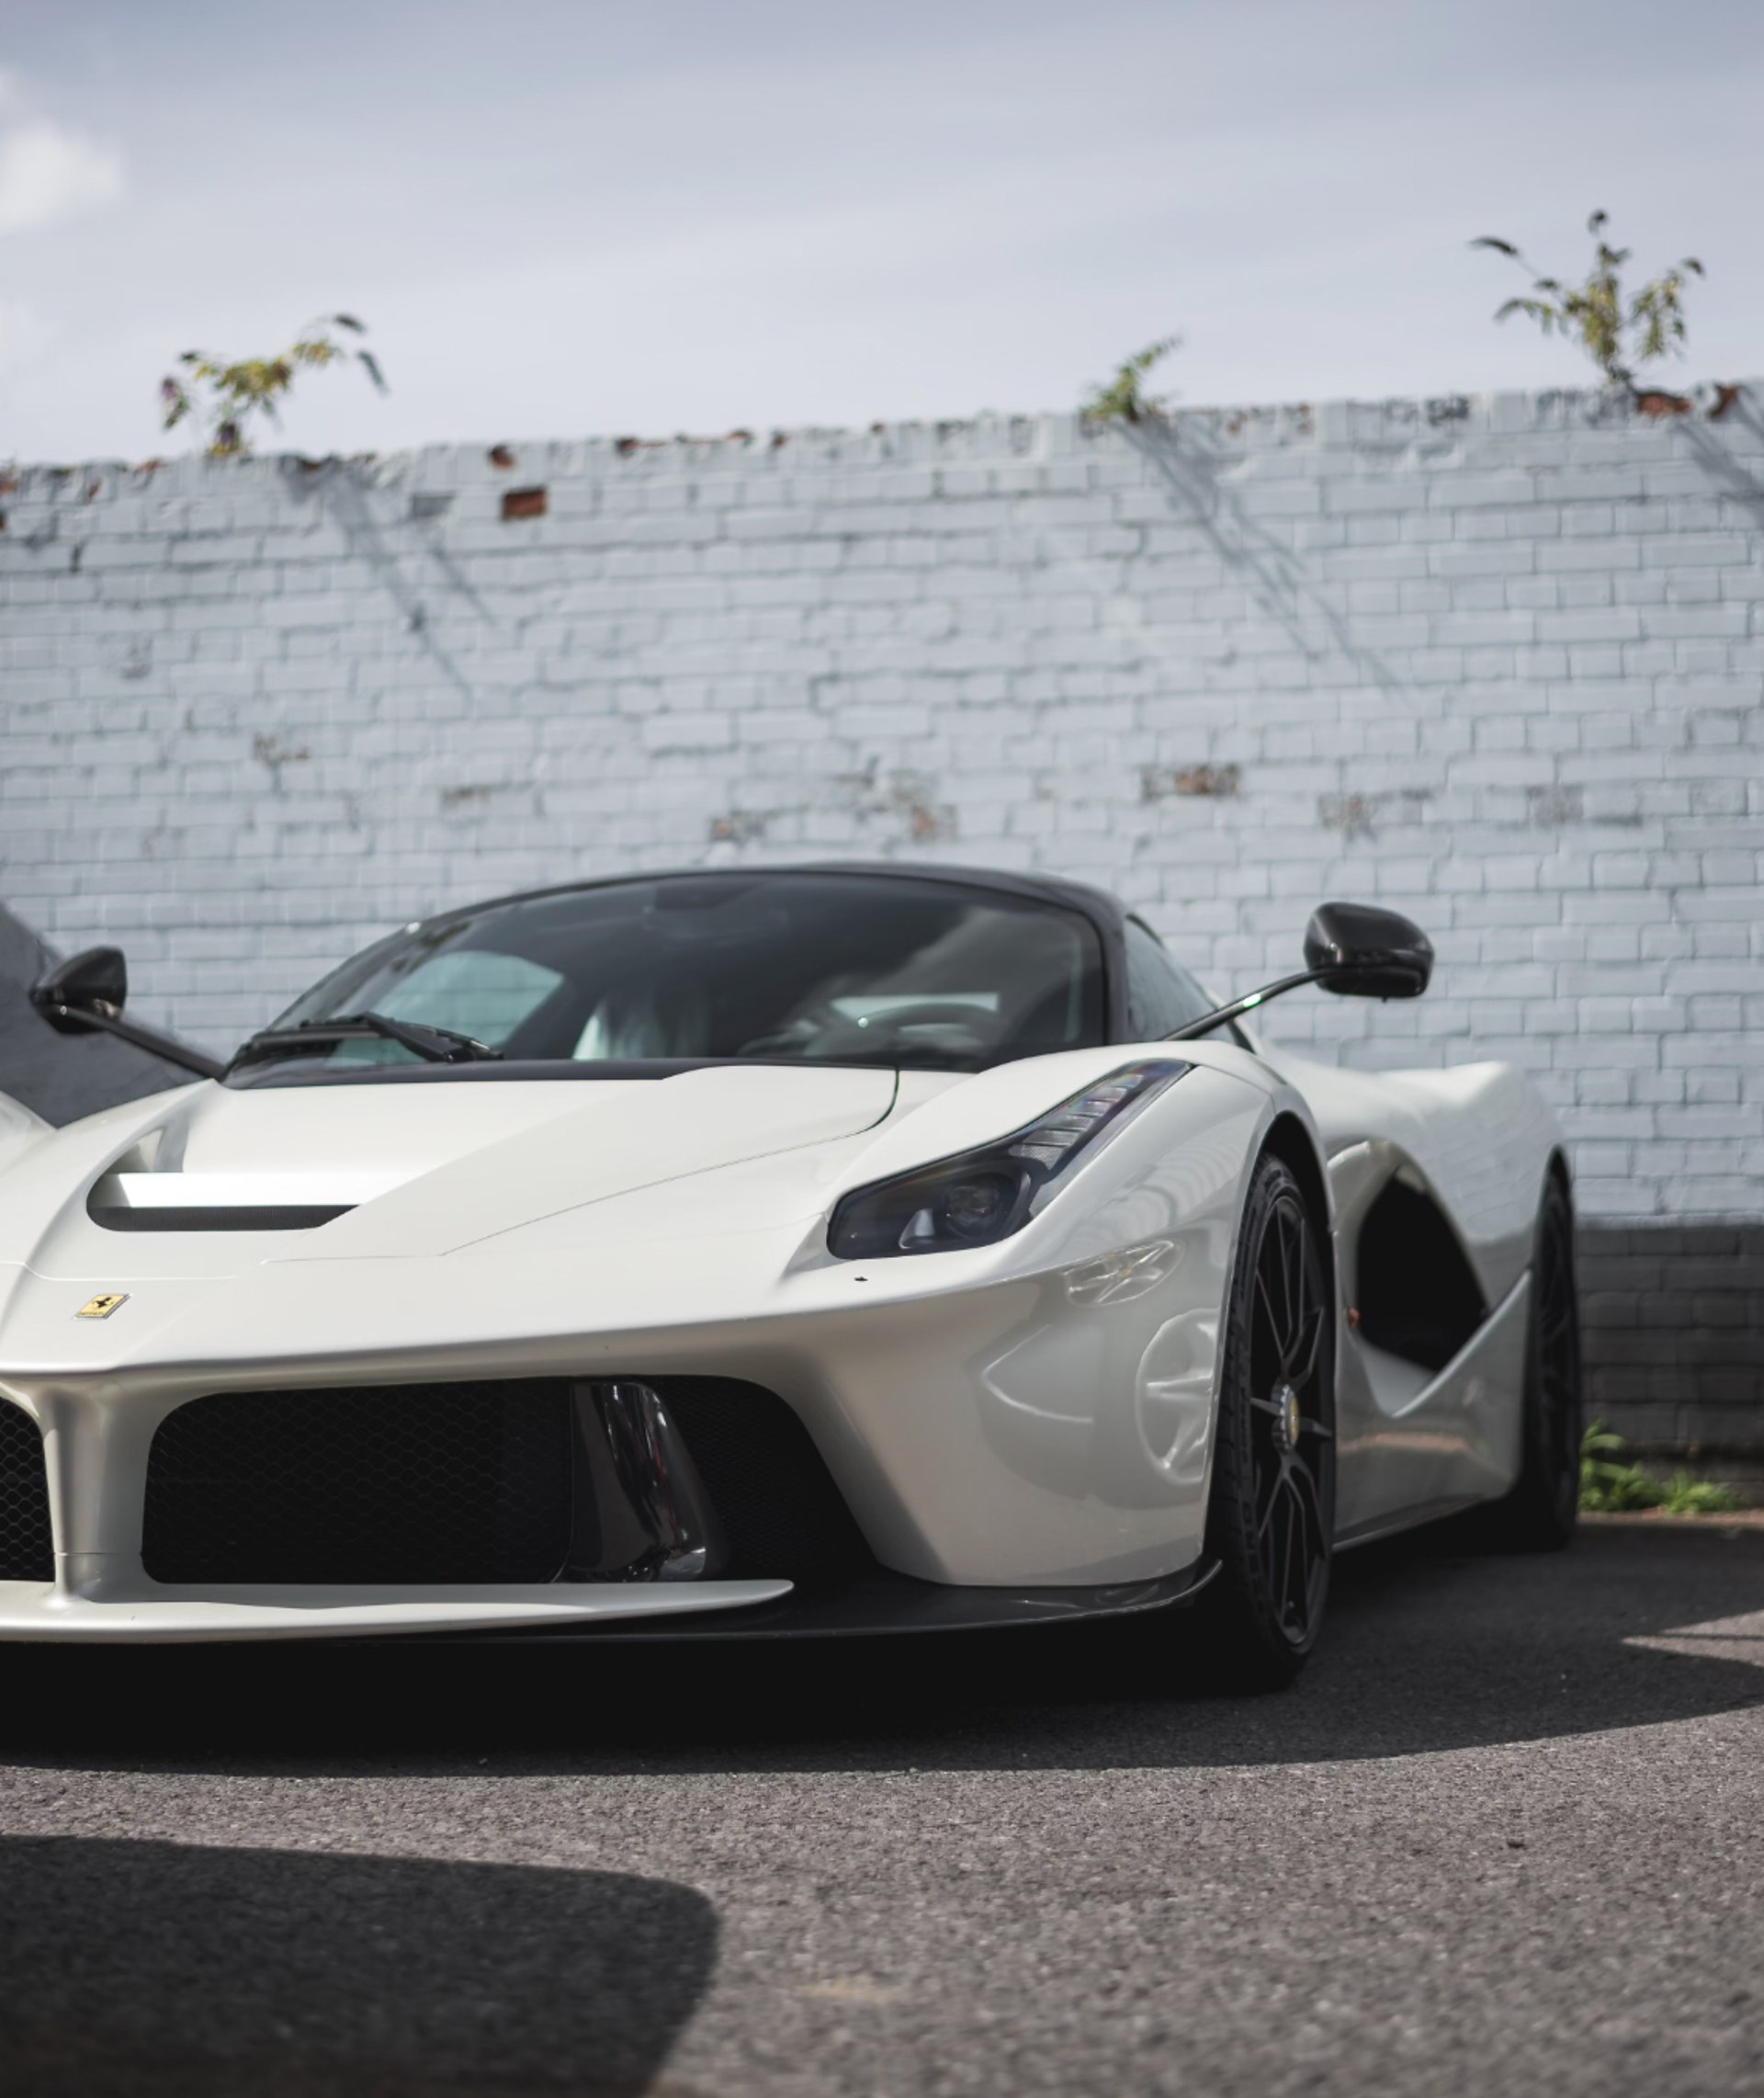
{"type": "Point", "coordinates": [765, 1253]}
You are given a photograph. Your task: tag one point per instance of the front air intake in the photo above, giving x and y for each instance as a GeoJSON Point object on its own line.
{"type": "Point", "coordinates": [415, 1484]}
{"type": "Point", "coordinates": [418, 1484]}
{"type": "Point", "coordinates": [783, 1517]}
{"type": "Point", "coordinates": [27, 1549]}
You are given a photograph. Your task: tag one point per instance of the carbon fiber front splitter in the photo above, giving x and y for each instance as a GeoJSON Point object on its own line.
{"type": "Point", "coordinates": [878, 1603]}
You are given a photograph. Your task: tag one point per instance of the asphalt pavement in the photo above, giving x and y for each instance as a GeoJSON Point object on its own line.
{"type": "Point", "coordinates": [1507, 1835]}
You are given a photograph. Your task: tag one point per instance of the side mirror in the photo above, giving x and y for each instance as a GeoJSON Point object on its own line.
{"type": "Point", "coordinates": [86, 996]}
{"type": "Point", "coordinates": [1359, 951]}
{"type": "Point", "coordinates": [90, 986]}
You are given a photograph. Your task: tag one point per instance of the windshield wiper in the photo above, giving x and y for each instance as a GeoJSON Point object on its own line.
{"type": "Point", "coordinates": [434, 1045]}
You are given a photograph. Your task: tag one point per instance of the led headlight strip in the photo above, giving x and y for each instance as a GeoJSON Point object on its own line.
{"type": "Point", "coordinates": [984, 1196]}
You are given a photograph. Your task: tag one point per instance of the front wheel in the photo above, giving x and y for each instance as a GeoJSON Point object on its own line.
{"type": "Point", "coordinates": [1270, 1517]}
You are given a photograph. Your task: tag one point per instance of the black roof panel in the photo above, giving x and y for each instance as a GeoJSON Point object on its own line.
{"type": "Point", "coordinates": [1095, 903]}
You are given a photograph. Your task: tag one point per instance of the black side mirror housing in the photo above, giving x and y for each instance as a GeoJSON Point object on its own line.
{"type": "Point", "coordinates": [1360, 951]}
{"type": "Point", "coordinates": [87, 987]}
{"type": "Point", "coordinates": [1353, 949]}
{"type": "Point", "coordinates": [86, 996]}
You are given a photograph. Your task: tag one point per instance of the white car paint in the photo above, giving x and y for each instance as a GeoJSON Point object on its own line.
{"type": "Point", "coordinates": [1037, 1411]}
{"type": "Point", "coordinates": [93, 1611]}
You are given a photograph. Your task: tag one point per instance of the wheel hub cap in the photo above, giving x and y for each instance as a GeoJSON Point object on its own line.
{"type": "Point", "coordinates": [1286, 1417]}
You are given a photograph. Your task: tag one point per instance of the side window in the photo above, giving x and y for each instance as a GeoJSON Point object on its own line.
{"type": "Point", "coordinates": [1159, 995]}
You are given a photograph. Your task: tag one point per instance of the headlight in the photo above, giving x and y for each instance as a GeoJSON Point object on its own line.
{"type": "Point", "coordinates": [984, 1196]}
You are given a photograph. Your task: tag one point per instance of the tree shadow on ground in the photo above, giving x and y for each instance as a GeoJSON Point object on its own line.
{"type": "Point", "coordinates": [168, 1970]}
{"type": "Point", "coordinates": [1427, 1648]}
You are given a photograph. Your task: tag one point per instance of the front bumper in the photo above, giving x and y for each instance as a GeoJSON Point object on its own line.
{"type": "Point", "coordinates": [1029, 1418]}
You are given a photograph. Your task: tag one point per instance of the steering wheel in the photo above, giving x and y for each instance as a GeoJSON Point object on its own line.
{"type": "Point", "coordinates": [981, 1026]}
{"type": "Point", "coordinates": [933, 1013]}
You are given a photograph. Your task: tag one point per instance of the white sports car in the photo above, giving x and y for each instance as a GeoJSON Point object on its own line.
{"type": "Point", "coordinates": [759, 1253]}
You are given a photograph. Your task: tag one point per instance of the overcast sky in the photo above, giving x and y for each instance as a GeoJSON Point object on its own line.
{"type": "Point", "coordinates": [562, 217]}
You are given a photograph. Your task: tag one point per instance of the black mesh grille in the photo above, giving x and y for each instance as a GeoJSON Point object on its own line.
{"type": "Point", "coordinates": [461, 1482]}
{"type": "Point", "coordinates": [782, 1514]}
{"type": "Point", "coordinates": [26, 1552]}
{"type": "Point", "coordinates": [404, 1483]}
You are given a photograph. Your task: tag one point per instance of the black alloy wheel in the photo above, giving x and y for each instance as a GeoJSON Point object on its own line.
{"type": "Point", "coordinates": [1270, 1519]}
{"type": "Point", "coordinates": [1541, 1511]}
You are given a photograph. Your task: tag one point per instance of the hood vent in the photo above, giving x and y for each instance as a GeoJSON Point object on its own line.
{"type": "Point", "coordinates": [237, 1217]}
{"type": "Point", "coordinates": [229, 1201]}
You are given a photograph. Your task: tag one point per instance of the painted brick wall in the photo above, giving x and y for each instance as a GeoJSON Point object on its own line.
{"type": "Point", "coordinates": [1497, 663]}
{"type": "Point", "coordinates": [1672, 1321]}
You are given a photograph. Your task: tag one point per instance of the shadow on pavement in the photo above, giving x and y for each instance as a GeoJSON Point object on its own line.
{"type": "Point", "coordinates": [167, 1970]}
{"type": "Point", "coordinates": [1425, 1650]}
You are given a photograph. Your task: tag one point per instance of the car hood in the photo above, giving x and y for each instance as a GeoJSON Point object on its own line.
{"type": "Point", "coordinates": [353, 1172]}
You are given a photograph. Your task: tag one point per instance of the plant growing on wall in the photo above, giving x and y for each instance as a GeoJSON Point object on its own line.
{"type": "Point", "coordinates": [230, 395]}
{"type": "Point", "coordinates": [1124, 399]}
{"type": "Point", "coordinates": [1618, 333]}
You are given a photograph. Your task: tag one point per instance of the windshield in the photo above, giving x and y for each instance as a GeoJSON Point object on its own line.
{"type": "Point", "coordinates": [817, 968]}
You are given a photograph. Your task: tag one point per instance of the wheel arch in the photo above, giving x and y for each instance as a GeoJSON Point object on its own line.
{"type": "Point", "coordinates": [1290, 1141]}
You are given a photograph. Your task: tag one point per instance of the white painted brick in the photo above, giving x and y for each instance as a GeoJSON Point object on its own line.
{"type": "Point", "coordinates": [1501, 673]}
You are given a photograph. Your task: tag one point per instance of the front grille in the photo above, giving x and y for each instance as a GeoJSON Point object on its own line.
{"type": "Point", "coordinates": [402, 1484]}
{"type": "Point", "coordinates": [461, 1482]}
{"type": "Point", "coordinates": [781, 1512]}
{"type": "Point", "coordinates": [26, 1550]}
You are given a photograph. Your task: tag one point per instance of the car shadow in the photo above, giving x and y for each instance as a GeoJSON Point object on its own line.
{"type": "Point", "coordinates": [1427, 1648]}
{"type": "Point", "coordinates": [172, 1971]}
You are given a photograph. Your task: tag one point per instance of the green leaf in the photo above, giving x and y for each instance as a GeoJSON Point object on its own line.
{"type": "Point", "coordinates": [230, 394]}
{"type": "Point", "coordinates": [1613, 329]}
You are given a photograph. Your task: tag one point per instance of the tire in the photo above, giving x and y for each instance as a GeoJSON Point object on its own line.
{"type": "Point", "coordinates": [1271, 1516]}
{"type": "Point", "coordinates": [1540, 1513]}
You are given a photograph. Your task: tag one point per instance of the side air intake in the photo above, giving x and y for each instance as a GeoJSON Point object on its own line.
{"type": "Point", "coordinates": [1418, 1296]}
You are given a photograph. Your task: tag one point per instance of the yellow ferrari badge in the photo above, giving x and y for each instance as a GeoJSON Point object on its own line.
{"type": "Point", "coordinates": [102, 1307]}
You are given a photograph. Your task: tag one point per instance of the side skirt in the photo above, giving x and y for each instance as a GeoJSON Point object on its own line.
{"type": "Point", "coordinates": [1410, 1519]}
